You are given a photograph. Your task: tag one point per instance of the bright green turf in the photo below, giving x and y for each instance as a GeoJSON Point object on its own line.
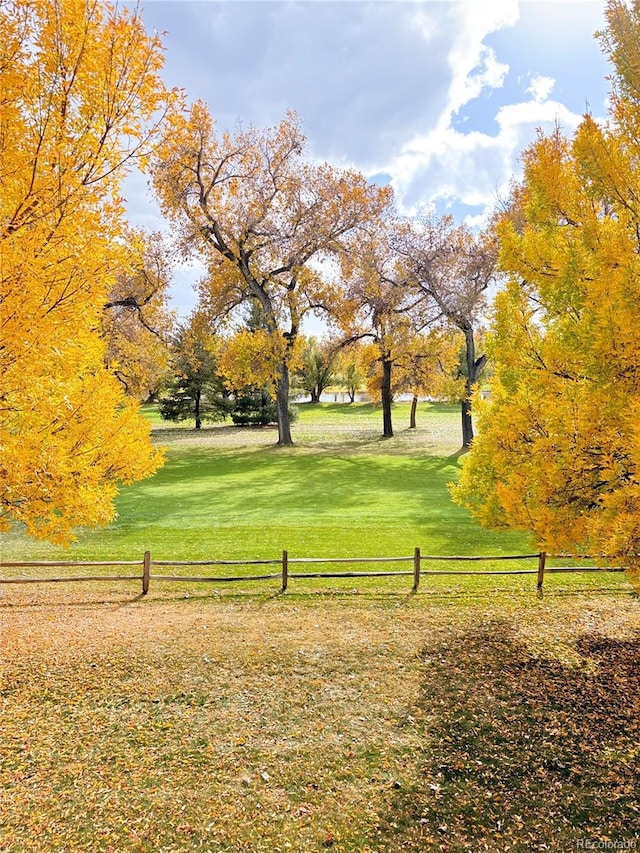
{"type": "Point", "coordinates": [342, 491]}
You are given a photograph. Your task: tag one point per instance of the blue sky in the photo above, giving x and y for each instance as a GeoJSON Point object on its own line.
{"type": "Point", "coordinates": [437, 98]}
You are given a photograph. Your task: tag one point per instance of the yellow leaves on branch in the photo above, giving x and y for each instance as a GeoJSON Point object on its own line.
{"type": "Point", "coordinates": [136, 322]}
{"type": "Point", "coordinates": [424, 364]}
{"type": "Point", "coordinates": [252, 359]}
{"type": "Point", "coordinates": [95, 440]}
{"type": "Point", "coordinates": [81, 101]}
{"type": "Point", "coordinates": [427, 365]}
{"type": "Point", "coordinates": [81, 96]}
{"type": "Point", "coordinates": [559, 446]}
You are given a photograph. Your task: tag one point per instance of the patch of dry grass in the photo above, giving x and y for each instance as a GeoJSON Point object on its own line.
{"type": "Point", "coordinates": [301, 723]}
{"type": "Point", "coordinates": [334, 428]}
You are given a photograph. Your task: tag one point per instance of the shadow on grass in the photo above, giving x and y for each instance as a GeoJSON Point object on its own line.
{"type": "Point", "coordinates": [210, 432]}
{"type": "Point", "coordinates": [522, 753]}
{"type": "Point", "coordinates": [602, 590]}
{"type": "Point", "coordinates": [224, 594]}
{"type": "Point", "coordinates": [244, 483]}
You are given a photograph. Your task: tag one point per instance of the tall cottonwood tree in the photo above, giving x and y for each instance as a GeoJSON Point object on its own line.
{"type": "Point", "coordinates": [80, 100]}
{"type": "Point", "coordinates": [453, 268]}
{"type": "Point", "coordinates": [558, 450]}
{"type": "Point", "coordinates": [378, 305]}
{"type": "Point", "coordinates": [262, 218]}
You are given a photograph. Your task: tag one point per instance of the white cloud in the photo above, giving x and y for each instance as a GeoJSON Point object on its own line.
{"type": "Point", "coordinates": [359, 74]}
{"type": "Point", "coordinates": [442, 163]}
{"type": "Point", "coordinates": [472, 168]}
{"type": "Point", "coordinates": [441, 97]}
{"type": "Point", "coordinates": [474, 65]}
{"type": "Point", "coordinates": [448, 164]}
{"type": "Point", "coordinates": [541, 87]}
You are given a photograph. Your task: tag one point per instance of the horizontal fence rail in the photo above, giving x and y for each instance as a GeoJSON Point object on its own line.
{"type": "Point", "coordinates": [284, 575]}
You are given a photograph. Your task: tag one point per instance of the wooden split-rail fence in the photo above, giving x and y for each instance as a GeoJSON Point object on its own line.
{"type": "Point", "coordinates": [285, 575]}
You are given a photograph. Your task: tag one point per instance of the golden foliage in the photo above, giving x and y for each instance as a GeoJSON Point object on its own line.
{"type": "Point", "coordinates": [252, 359]}
{"type": "Point", "coordinates": [263, 219]}
{"type": "Point", "coordinates": [81, 99]}
{"type": "Point", "coordinates": [559, 445]}
{"type": "Point", "coordinates": [137, 324]}
{"type": "Point", "coordinates": [426, 365]}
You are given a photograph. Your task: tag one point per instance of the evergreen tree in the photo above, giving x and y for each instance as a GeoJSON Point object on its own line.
{"type": "Point", "coordinates": [196, 390]}
{"type": "Point", "coordinates": [254, 407]}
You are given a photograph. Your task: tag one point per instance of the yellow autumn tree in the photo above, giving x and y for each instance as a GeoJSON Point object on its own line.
{"type": "Point", "coordinates": [379, 304]}
{"type": "Point", "coordinates": [558, 451]}
{"type": "Point", "coordinates": [80, 102]}
{"type": "Point", "coordinates": [350, 371]}
{"type": "Point", "coordinates": [427, 365]}
{"type": "Point", "coordinates": [252, 358]}
{"type": "Point", "coordinates": [263, 219]}
{"type": "Point", "coordinates": [137, 323]}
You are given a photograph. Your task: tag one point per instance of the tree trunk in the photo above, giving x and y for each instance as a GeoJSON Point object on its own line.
{"type": "Point", "coordinates": [315, 395]}
{"type": "Point", "coordinates": [197, 411]}
{"type": "Point", "coordinates": [474, 369]}
{"type": "Point", "coordinates": [387, 399]}
{"type": "Point", "coordinates": [282, 400]}
{"type": "Point", "coordinates": [412, 416]}
{"type": "Point", "coordinates": [467, 423]}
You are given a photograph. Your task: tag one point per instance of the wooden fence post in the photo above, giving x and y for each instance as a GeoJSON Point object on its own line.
{"type": "Point", "coordinates": [285, 570]}
{"type": "Point", "coordinates": [542, 559]}
{"type": "Point", "coordinates": [146, 570]}
{"type": "Point", "coordinates": [416, 569]}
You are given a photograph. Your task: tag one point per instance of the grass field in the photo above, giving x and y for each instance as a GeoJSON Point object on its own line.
{"type": "Point", "coordinates": [345, 715]}
{"type": "Point", "coordinates": [231, 494]}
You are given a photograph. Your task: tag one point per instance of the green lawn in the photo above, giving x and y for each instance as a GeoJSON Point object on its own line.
{"type": "Point", "coordinates": [228, 493]}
